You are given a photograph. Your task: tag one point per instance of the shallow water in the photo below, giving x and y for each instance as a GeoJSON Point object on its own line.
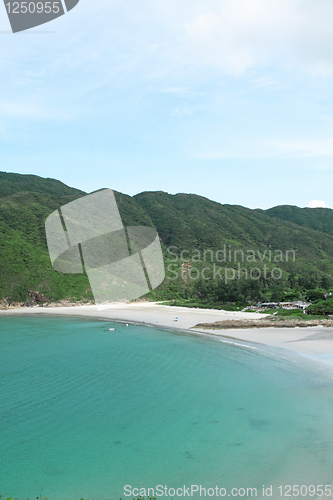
{"type": "Point", "coordinates": [86, 411]}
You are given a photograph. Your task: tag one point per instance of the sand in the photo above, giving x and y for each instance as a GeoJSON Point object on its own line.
{"type": "Point", "coordinates": [315, 343]}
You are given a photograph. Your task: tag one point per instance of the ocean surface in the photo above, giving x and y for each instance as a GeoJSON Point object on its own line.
{"type": "Point", "coordinates": [86, 411]}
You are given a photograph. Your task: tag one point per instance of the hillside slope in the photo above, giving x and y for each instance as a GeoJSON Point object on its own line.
{"type": "Point", "coordinates": [191, 221]}
{"type": "Point", "coordinates": [25, 266]}
{"type": "Point", "coordinates": [17, 183]}
{"type": "Point", "coordinates": [320, 219]}
{"type": "Point", "coordinates": [183, 221]}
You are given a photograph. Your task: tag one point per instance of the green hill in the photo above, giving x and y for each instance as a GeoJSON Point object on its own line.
{"type": "Point", "coordinates": [320, 219]}
{"type": "Point", "coordinates": [191, 222]}
{"type": "Point", "coordinates": [16, 183]}
{"type": "Point", "coordinates": [25, 268]}
{"type": "Point", "coordinates": [24, 261]}
{"type": "Point", "coordinates": [188, 220]}
{"type": "Point", "coordinates": [185, 222]}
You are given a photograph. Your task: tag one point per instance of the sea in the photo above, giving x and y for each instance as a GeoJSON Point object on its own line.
{"type": "Point", "coordinates": [100, 410]}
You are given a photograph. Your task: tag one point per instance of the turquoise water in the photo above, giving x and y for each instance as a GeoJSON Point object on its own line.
{"type": "Point", "coordinates": [86, 411]}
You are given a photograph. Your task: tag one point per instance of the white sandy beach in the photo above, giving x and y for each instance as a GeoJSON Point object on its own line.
{"type": "Point", "coordinates": [316, 343]}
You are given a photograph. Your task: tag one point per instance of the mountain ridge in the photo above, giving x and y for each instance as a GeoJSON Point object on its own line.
{"type": "Point", "coordinates": [183, 221]}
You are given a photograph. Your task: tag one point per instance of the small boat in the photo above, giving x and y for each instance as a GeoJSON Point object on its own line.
{"type": "Point", "coordinates": [110, 329]}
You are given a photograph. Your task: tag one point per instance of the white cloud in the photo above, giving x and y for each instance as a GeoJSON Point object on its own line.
{"type": "Point", "coordinates": [242, 34]}
{"type": "Point", "coordinates": [304, 148]}
{"type": "Point", "coordinates": [317, 204]}
{"type": "Point", "coordinates": [263, 82]}
{"type": "Point", "coordinates": [178, 91]}
{"type": "Point", "coordinates": [174, 90]}
{"type": "Point", "coordinates": [181, 112]}
{"type": "Point", "coordinates": [33, 110]}
{"type": "Point", "coordinates": [263, 147]}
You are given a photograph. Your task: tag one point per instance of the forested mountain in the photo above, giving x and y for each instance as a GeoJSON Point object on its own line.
{"type": "Point", "coordinates": [185, 222]}
{"type": "Point", "coordinates": [191, 221]}
{"type": "Point", "coordinates": [320, 219]}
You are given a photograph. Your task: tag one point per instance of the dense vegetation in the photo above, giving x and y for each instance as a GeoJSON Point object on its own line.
{"type": "Point", "coordinates": [194, 223]}
{"type": "Point", "coordinates": [284, 253]}
{"type": "Point", "coordinates": [321, 308]}
{"type": "Point", "coordinates": [320, 219]}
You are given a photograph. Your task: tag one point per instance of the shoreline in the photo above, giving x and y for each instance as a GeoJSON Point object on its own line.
{"type": "Point", "coordinates": [314, 343]}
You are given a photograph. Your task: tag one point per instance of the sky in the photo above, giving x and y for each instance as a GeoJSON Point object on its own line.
{"type": "Point", "coordinates": [228, 99]}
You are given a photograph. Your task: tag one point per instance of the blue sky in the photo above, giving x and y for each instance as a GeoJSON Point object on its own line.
{"type": "Point", "coordinates": [229, 99]}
